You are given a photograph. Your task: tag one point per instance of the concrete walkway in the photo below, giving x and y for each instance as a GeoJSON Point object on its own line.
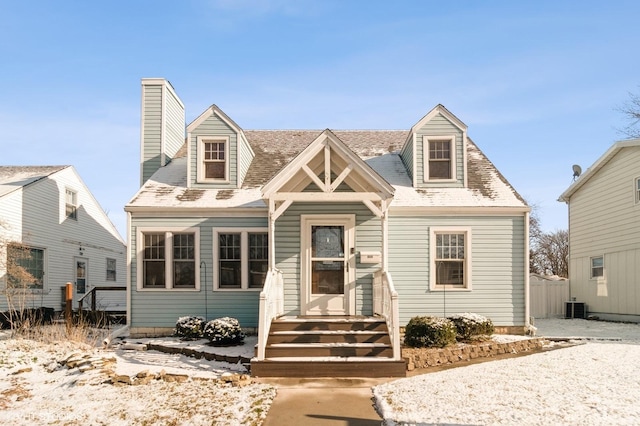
{"type": "Point", "coordinates": [310, 402]}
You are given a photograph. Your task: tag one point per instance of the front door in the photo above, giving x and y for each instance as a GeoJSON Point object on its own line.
{"type": "Point", "coordinates": [328, 275]}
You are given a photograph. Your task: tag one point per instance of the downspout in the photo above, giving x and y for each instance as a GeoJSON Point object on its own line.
{"type": "Point", "coordinates": [527, 325]}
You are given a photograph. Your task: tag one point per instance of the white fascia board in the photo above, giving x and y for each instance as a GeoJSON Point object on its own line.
{"type": "Point", "coordinates": [327, 197]}
{"type": "Point", "coordinates": [600, 162]}
{"type": "Point", "coordinates": [459, 211]}
{"type": "Point", "coordinates": [197, 212]}
{"type": "Point", "coordinates": [200, 119]}
{"type": "Point", "coordinates": [439, 109]}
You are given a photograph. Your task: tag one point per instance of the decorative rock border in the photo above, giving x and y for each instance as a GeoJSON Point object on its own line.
{"type": "Point", "coordinates": [431, 357]}
{"type": "Point", "coordinates": [209, 356]}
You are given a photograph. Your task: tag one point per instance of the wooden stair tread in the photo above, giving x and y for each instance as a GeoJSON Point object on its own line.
{"type": "Point", "coordinates": [327, 345]}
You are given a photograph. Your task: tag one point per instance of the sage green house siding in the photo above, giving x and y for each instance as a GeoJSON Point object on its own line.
{"type": "Point", "coordinates": [498, 268]}
{"type": "Point", "coordinates": [214, 126]}
{"type": "Point", "coordinates": [406, 154]}
{"type": "Point", "coordinates": [246, 156]}
{"type": "Point", "coordinates": [161, 308]}
{"type": "Point", "coordinates": [438, 126]}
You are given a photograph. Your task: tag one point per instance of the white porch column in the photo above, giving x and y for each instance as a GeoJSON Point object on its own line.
{"type": "Point", "coordinates": [272, 235]}
{"type": "Point", "coordinates": [384, 223]}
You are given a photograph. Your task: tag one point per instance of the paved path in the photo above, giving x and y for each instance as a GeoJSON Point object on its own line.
{"type": "Point", "coordinates": [312, 402]}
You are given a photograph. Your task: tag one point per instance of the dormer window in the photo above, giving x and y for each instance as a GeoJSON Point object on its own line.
{"type": "Point", "coordinates": [439, 164]}
{"type": "Point", "coordinates": [71, 204]}
{"type": "Point", "coordinates": [213, 159]}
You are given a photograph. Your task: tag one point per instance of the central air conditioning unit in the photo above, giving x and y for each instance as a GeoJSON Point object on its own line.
{"type": "Point", "coordinates": [575, 309]}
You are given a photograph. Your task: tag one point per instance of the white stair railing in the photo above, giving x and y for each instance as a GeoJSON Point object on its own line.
{"type": "Point", "coordinates": [271, 307]}
{"type": "Point", "coordinates": [385, 304]}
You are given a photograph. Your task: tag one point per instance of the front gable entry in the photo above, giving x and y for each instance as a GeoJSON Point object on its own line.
{"type": "Point", "coordinates": [327, 171]}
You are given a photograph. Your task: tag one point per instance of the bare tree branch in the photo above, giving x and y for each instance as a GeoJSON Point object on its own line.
{"type": "Point", "coordinates": [631, 111]}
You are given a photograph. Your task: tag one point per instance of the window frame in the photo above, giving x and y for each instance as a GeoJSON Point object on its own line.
{"type": "Point", "coordinates": [201, 140]}
{"type": "Point", "coordinates": [467, 263]}
{"type": "Point", "coordinates": [636, 190]}
{"type": "Point", "coordinates": [169, 271]}
{"type": "Point", "coordinates": [33, 287]}
{"type": "Point", "coordinates": [71, 208]}
{"type": "Point", "coordinates": [426, 143]}
{"type": "Point", "coordinates": [114, 270]}
{"type": "Point", "coordinates": [244, 256]}
{"type": "Point", "coordinates": [591, 267]}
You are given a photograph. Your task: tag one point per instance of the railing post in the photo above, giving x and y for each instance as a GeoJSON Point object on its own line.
{"type": "Point", "coordinates": [68, 307]}
{"type": "Point", "coordinates": [93, 299]}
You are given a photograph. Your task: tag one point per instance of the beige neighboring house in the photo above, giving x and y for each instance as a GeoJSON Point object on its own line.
{"type": "Point", "coordinates": [604, 234]}
{"type": "Point", "coordinates": [50, 210]}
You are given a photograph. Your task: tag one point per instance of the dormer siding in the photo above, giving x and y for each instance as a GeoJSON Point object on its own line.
{"type": "Point", "coordinates": [439, 127]}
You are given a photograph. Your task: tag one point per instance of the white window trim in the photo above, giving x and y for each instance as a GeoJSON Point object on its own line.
{"type": "Point", "coordinates": [168, 257]}
{"type": "Point", "coordinates": [591, 276]}
{"type": "Point", "coordinates": [636, 191]}
{"type": "Point", "coordinates": [466, 230]}
{"type": "Point", "coordinates": [75, 204]}
{"type": "Point", "coordinates": [425, 157]}
{"type": "Point", "coordinates": [200, 158]}
{"type": "Point", "coordinates": [33, 290]}
{"type": "Point", "coordinates": [244, 256]}
{"type": "Point", "coordinates": [106, 271]}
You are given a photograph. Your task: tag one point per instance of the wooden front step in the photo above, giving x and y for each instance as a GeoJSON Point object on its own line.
{"type": "Point", "coordinates": [328, 347]}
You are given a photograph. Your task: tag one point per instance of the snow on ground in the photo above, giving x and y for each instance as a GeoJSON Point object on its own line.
{"type": "Point", "coordinates": [36, 389]}
{"type": "Point", "coordinates": [595, 382]}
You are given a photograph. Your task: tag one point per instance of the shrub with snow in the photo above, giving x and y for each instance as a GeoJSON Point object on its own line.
{"type": "Point", "coordinates": [189, 327]}
{"type": "Point", "coordinates": [472, 326]}
{"type": "Point", "coordinates": [426, 332]}
{"type": "Point", "coordinates": [224, 332]}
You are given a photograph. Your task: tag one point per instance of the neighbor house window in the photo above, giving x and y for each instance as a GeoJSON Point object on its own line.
{"type": "Point", "coordinates": [597, 267]}
{"type": "Point", "coordinates": [71, 204]}
{"type": "Point", "coordinates": [169, 259]}
{"type": "Point", "coordinates": [450, 259]}
{"type": "Point", "coordinates": [111, 269]}
{"type": "Point", "coordinates": [439, 155]}
{"type": "Point", "coordinates": [25, 266]}
{"type": "Point", "coordinates": [637, 190]}
{"type": "Point", "coordinates": [213, 164]}
{"type": "Point", "coordinates": [241, 258]}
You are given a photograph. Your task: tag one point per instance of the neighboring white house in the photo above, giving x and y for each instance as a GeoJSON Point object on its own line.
{"type": "Point", "coordinates": [50, 210]}
{"type": "Point", "coordinates": [277, 226]}
{"type": "Point", "coordinates": [604, 234]}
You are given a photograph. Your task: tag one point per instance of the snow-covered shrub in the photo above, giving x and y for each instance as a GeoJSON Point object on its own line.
{"type": "Point", "coordinates": [471, 326]}
{"type": "Point", "coordinates": [189, 327]}
{"type": "Point", "coordinates": [426, 332]}
{"type": "Point", "coordinates": [224, 332]}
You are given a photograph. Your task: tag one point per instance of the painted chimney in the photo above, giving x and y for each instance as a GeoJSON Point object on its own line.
{"type": "Point", "coordinates": [162, 127]}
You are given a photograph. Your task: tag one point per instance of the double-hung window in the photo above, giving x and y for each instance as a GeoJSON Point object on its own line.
{"type": "Point", "coordinates": [169, 259]}
{"type": "Point", "coordinates": [637, 190]}
{"type": "Point", "coordinates": [439, 158]}
{"type": "Point", "coordinates": [240, 258]}
{"type": "Point", "coordinates": [213, 159]}
{"type": "Point", "coordinates": [71, 204]}
{"type": "Point", "coordinates": [111, 269]}
{"type": "Point", "coordinates": [450, 252]}
{"type": "Point", "coordinates": [25, 266]}
{"type": "Point", "coordinates": [597, 267]}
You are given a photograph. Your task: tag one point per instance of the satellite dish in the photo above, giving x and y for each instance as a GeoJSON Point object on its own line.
{"type": "Point", "coordinates": [577, 171]}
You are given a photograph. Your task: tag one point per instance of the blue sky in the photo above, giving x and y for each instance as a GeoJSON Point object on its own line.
{"type": "Point", "coordinates": [537, 82]}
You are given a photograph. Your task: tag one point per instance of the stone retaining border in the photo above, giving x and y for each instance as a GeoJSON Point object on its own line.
{"type": "Point", "coordinates": [431, 357]}
{"type": "Point", "coordinates": [209, 356]}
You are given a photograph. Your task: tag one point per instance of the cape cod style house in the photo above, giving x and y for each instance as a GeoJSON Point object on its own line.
{"type": "Point", "coordinates": [53, 227]}
{"type": "Point", "coordinates": [298, 232]}
{"type": "Point", "coordinates": [604, 234]}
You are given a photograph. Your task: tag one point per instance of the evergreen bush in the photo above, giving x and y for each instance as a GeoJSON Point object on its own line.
{"type": "Point", "coordinates": [426, 332]}
{"type": "Point", "coordinates": [471, 326]}
{"type": "Point", "coordinates": [224, 332]}
{"type": "Point", "coordinates": [189, 327]}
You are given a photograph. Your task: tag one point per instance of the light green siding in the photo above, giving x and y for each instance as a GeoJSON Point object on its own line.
{"type": "Point", "coordinates": [174, 136]}
{"type": "Point", "coordinates": [151, 130]}
{"type": "Point", "coordinates": [498, 268]}
{"type": "Point", "coordinates": [214, 126]}
{"type": "Point", "coordinates": [407, 158]}
{"type": "Point", "coordinates": [246, 156]}
{"type": "Point", "coordinates": [162, 308]}
{"type": "Point", "coordinates": [367, 235]}
{"type": "Point", "coordinates": [439, 126]}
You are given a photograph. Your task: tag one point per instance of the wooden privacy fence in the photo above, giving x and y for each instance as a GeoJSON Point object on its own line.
{"type": "Point", "coordinates": [548, 297]}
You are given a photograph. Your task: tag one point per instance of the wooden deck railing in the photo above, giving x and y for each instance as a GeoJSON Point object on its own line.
{"type": "Point", "coordinates": [385, 304]}
{"type": "Point", "coordinates": [271, 307]}
{"type": "Point", "coordinates": [93, 292]}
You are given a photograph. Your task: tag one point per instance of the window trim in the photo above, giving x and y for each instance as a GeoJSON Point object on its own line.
{"type": "Point", "coordinates": [168, 231]}
{"type": "Point", "coordinates": [591, 259]}
{"type": "Point", "coordinates": [73, 215]}
{"type": "Point", "coordinates": [115, 269]}
{"type": "Point", "coordinates": [426, 139]}
{"type": "Point", "coordinates": [468, 261]}
{"type": "Point", "coordinates": [201, 140]}
{"type": "Point", "coordinates": [33, 289]}
{"type": "Point", "coordinates": [244, 256]}
{"type": "Point", "coordinates": [636, 190]}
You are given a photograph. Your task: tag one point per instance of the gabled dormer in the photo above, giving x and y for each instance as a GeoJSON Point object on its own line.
{"type": "Point", "coordinates": [435, 150]}
{"type": "Point", "coordinates": [218, 152]}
